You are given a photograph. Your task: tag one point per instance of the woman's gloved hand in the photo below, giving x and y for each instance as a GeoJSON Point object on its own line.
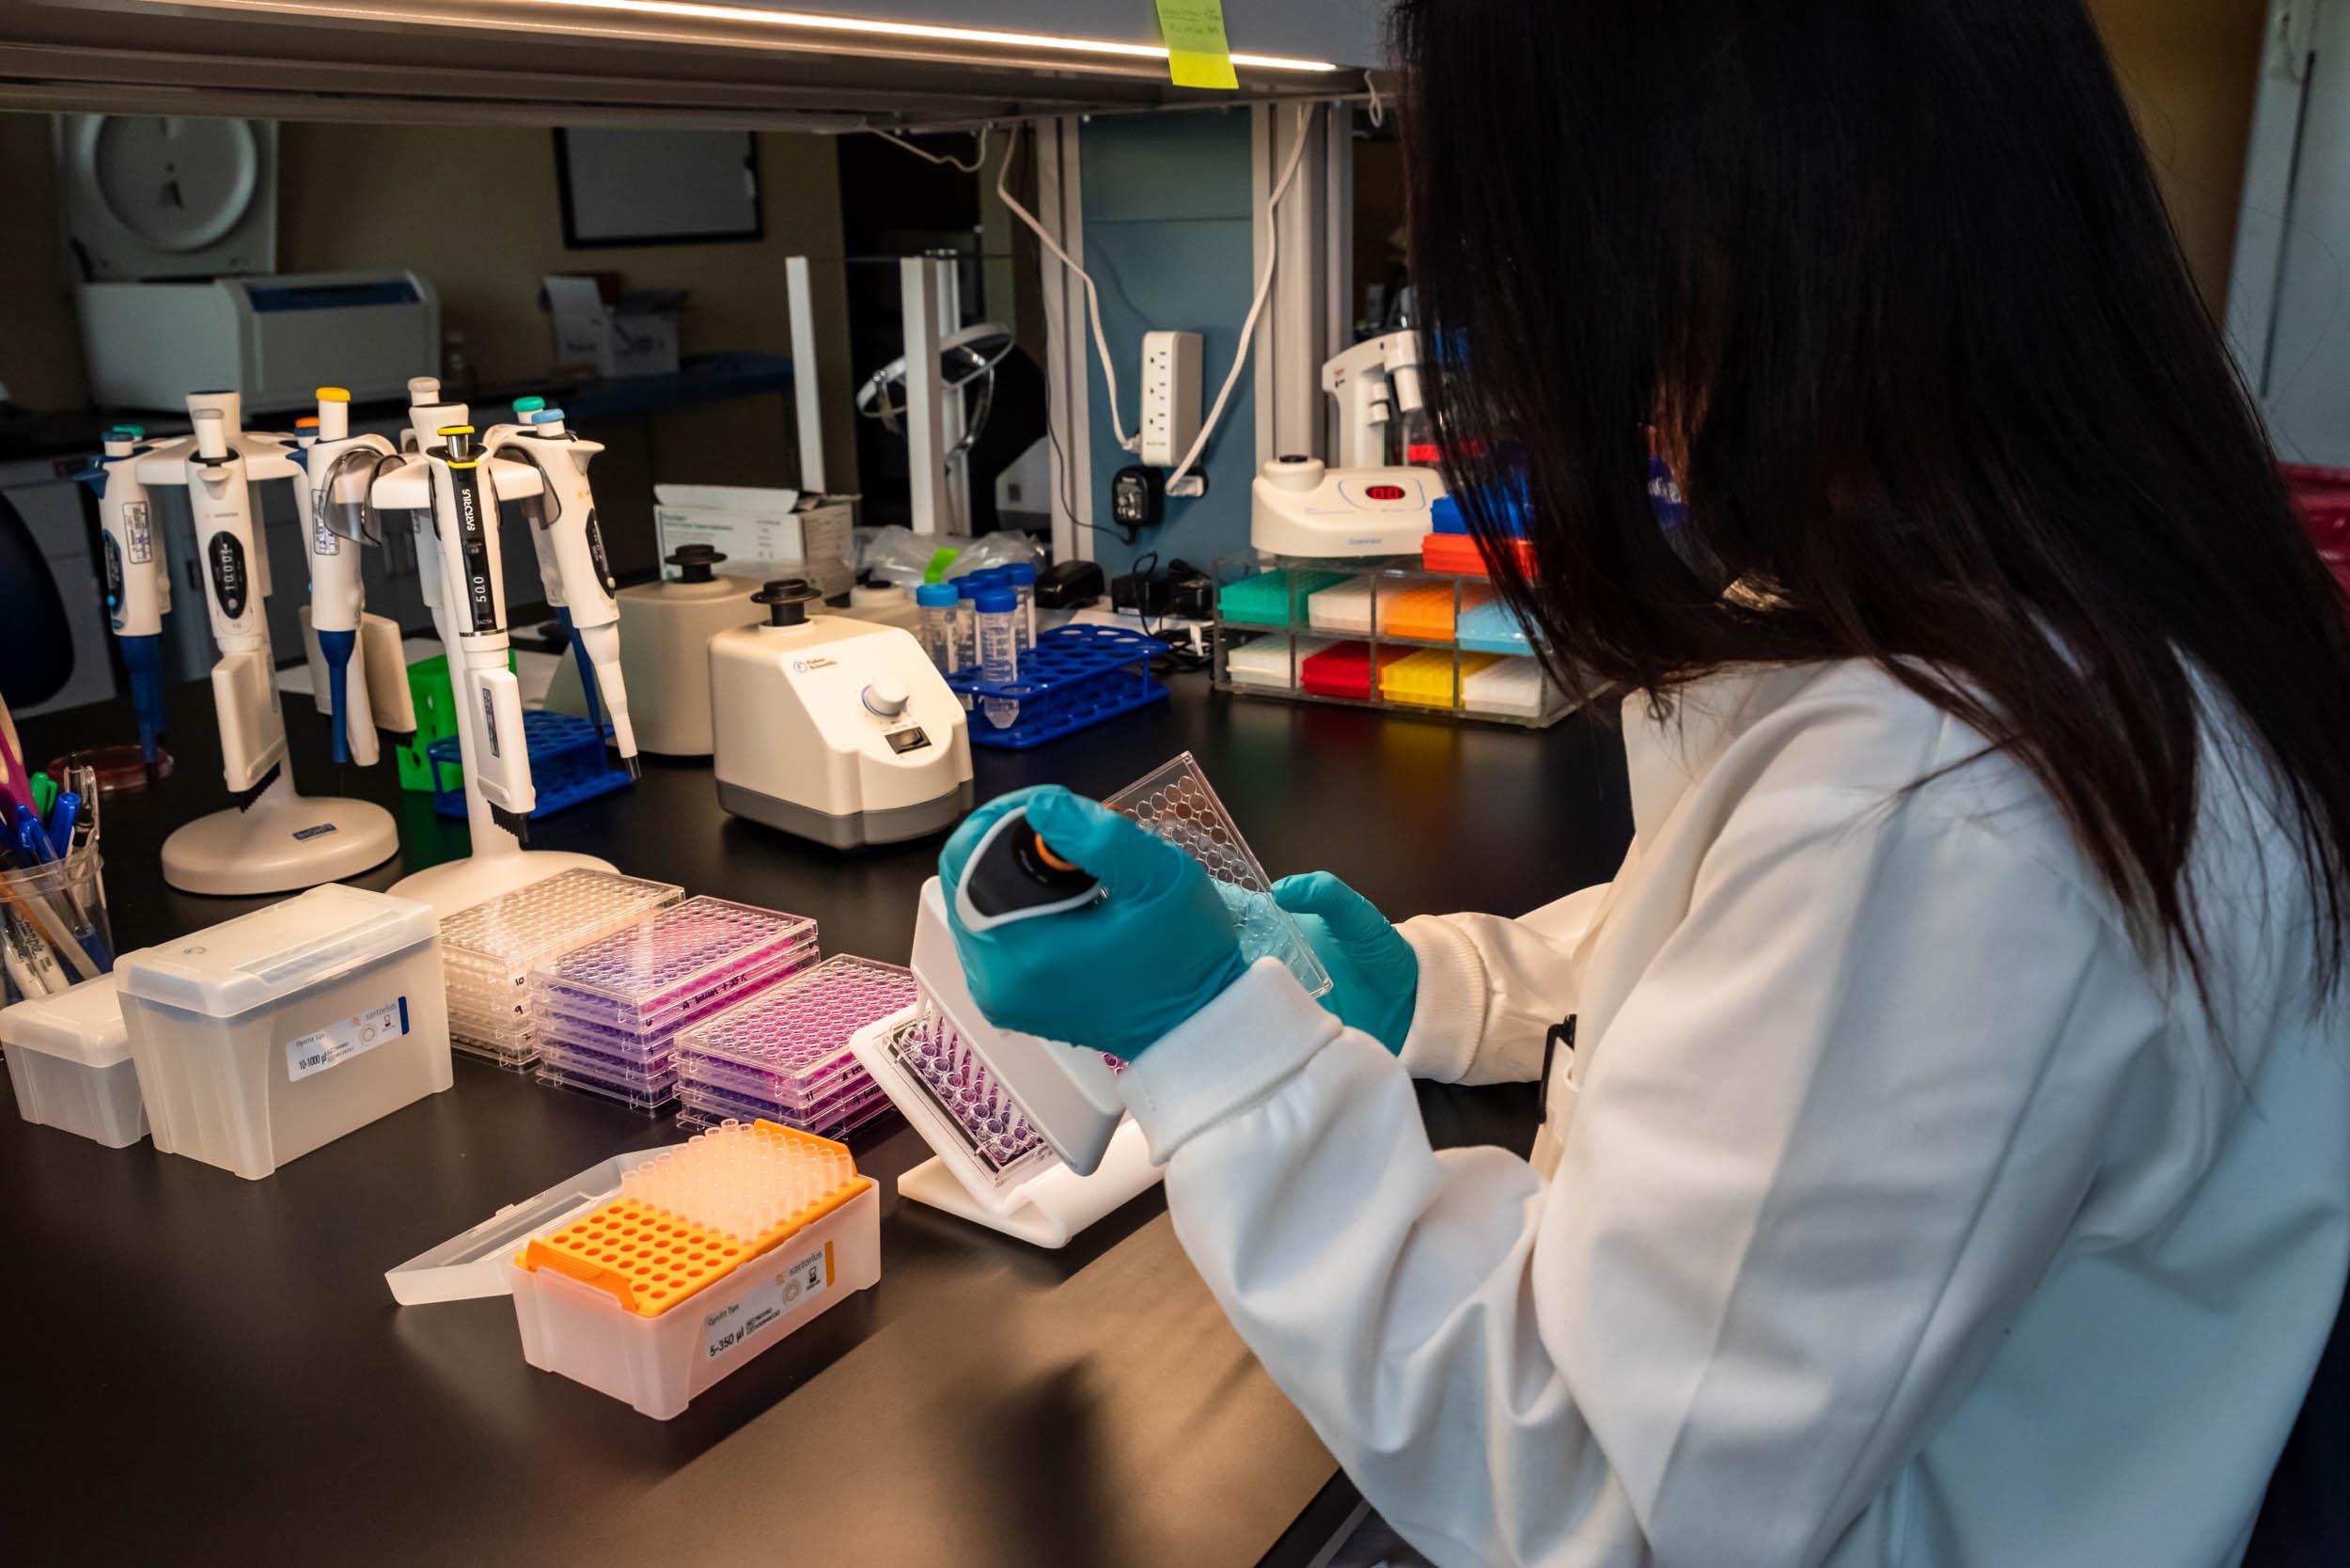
{"type": "Point", "coordinates": [1374, 974]}
{"type": "Point", "coordinates": [1118, 974]}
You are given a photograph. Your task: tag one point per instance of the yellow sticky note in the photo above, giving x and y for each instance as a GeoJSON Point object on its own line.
{"type": "Point", "coordinates": [1197, 54]}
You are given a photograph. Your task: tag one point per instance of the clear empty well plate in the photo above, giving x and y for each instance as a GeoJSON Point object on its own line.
{"type": "Point", "coordinates": [1176, 802]}
{"type": "Point", "coordinates": [681, 960]}
{"type": "Point", "coordinates": [488, 950]}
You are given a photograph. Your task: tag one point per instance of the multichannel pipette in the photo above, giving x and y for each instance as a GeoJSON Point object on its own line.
{"type": "Point", "coordinates": [572, 567]}
{"type": "Point", "coordinates": [421, 485]}
{"type": "Point", "coordinates": [466, 513]}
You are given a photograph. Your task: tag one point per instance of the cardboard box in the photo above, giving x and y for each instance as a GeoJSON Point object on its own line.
{"type": "Point", "coordinates": [764, 533]}
{"type": "Point", "coordinates": [634, 334]}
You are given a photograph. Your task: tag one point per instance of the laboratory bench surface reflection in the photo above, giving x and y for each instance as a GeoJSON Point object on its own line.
{"type": "Point", "coordinates": [209, 1370]}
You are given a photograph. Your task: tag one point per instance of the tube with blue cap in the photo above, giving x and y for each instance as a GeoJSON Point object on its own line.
{"type": "Point", "coordinates": [138, 585]}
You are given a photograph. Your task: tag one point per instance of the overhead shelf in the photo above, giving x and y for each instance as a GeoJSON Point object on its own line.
{"type": "Point", "coordinates": [625, 62]}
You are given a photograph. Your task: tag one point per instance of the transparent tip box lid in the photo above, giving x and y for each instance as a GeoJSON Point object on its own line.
{"type": "Point", "coordinates": [263, 958]}
{"type": "Point", "coordinates": [681, 961]}
{"type": "Point", "coordinates": [491, 947]}
{"type": "Point", "coordinates": [472, 1264]}
{"type": "Point", "coordinates": [82, 1024]}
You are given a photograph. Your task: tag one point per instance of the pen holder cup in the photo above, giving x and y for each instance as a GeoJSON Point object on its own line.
{"type": "Point", "coordinates": [56, 929]}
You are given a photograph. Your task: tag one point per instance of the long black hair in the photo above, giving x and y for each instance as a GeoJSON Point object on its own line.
{"type": "Point", "coordinates": [1893, 289]}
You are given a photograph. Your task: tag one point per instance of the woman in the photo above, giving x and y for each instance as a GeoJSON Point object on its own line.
{"type": "Point", "coordinates": [1948, 1157]}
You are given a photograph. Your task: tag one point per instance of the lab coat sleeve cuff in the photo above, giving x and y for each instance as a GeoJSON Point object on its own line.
{"type": "Point", "coordinates": [1449, 1012]}
{"type": "Point", "coordinates": [1230, 1054]}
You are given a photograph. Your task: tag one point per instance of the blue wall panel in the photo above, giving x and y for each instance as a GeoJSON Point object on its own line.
{"type": "Point", "coordinates": [1169, 242]}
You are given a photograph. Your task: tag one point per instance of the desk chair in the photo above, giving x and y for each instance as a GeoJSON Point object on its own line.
{"type": "Point", "coordinates": [38, 660]}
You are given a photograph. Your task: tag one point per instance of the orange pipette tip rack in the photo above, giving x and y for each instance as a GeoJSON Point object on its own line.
{"type": "Point", "coordinates": [649, 1258]}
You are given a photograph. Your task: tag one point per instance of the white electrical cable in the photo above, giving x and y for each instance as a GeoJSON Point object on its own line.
{"type": "Point", "coordinates": [1256, 309]}
{"type": "Point", "coordinates": [1093, 299]}
{"type": "Point", "coordinates": [979, 157]}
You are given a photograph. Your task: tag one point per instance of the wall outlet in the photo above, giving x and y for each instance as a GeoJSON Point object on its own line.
{"type": "Point", "coordinates": [1170, 397]}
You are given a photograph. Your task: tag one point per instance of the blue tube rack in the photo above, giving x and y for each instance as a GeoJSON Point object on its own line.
{"type": "Point", "coordinates": [1082, 675]}
{"type": "Point", "coordinates": [567, 764]}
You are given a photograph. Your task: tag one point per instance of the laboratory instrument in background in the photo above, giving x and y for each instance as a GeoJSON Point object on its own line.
{"type": "Point", "coordinates": [453, 489]}
{"type": "Point", "coordinates": [1066, 1096]}
{"type": "Point", "coordinates": [138, 578]}
{"type": "Point", "coordinates": [1375, 500]}
{"type": "Point", "coordinates": [366, 684]}
{"type": "Point", "coordinates": [765, 532]}
{"type": "Point", "coordinates": [269, 339]}
{"type": "Point", "coordinates": [665, 628]}
{"type": "Point", "coordinates": [273, 839]}
{"type": "Point", "coordinates": [655, 1274]}
{"type": "Point", "coordinates": [835, 729]}
{"type": "Point", "coordinates": [267, 1036]}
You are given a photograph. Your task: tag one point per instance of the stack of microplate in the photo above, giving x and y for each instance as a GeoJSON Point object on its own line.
{"type": "Point", "coordinates": [784, 1055]}
{"type": "Point", "coordinates": [609, 1013]}
{"type": "Point", "coordinates": [489, 950]}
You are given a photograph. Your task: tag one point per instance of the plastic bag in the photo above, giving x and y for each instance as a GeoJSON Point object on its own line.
{"type": "Point", "coordinates": [901, 555]}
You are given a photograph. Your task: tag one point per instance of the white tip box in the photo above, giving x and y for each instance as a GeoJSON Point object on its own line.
{"type": "Point", "coordinates": [269, 1035]}
{"type": "Point", "coordinates": [70, 1062]}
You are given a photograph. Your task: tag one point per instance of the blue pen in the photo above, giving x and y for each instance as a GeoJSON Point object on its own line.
{"type": "Point", "coordinates": [61, 822]}
{"type": "Point", "coordinates": [31, 842]}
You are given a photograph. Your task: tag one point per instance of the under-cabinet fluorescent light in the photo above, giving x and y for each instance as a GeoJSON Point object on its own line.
{"type": "Point", "coordinates": [809, 21]}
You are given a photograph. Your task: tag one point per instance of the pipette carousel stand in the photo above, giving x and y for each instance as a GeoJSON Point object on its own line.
{"type": "Point", "coordinates": [281, 843]}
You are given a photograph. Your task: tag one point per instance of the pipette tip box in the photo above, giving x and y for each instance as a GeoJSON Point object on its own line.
{"type": "Point", "coordinates": [1517, 687]}
{"type": "Point", "coordinates": [608, 1015]}
{"type": "Point", "coordinates": [1271, 664]}
{"type": "Point", "coordinates": [1342, 608]}
{"type": "Point", "coordinates": [490, 948]}
{"type": "Point", "coordinates": [785, 1054]}
{"type": "Point", "coordinates": [706, 1256]}
{"type": "Point", "coordinates": [69, 1063]}
{"type": "Point", "coordinates": [264, 1037]}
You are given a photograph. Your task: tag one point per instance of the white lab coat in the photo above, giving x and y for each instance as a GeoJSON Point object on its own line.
{"type": "Point", "coordinates": [1898, 1215]}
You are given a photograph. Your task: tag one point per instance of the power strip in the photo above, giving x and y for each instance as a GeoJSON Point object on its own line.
{"type": "Point", "coordinates": [1170, 397]}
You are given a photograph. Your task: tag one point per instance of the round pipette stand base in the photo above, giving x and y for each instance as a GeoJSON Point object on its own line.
{"type": "Point", "coordinates": [282, 844]}
{"type": "Point", "coordinates": [457, 885]}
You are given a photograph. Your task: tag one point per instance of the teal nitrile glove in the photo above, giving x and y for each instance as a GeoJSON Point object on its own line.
{"type": "Point", "coordinates": [1374, 975]}
{"type": "Point", "coordinates": [1118, 974]}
